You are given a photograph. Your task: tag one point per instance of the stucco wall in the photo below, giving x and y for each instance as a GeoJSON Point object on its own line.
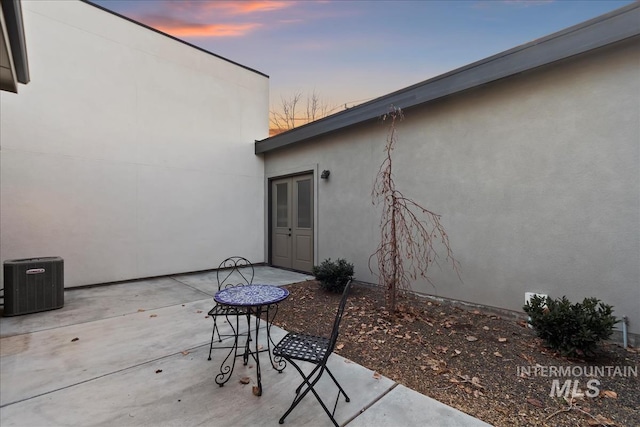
{"type": "Point", "coordinates": [536, 178]}
{"type": "Point", "coordinates": [129, 154]}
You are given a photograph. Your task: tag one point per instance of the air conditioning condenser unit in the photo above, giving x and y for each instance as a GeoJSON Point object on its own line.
{"type": "Point", "coordinates": [32, 285]}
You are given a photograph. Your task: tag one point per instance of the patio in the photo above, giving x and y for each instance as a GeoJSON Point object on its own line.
{"type": "Point", "coordinates": [135, 353]}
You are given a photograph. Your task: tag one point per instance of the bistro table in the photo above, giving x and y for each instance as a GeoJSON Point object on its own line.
{"type": "Point", "coordinates": [254, 300]}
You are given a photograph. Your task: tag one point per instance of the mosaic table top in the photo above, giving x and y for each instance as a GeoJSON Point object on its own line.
{"type": "Point", "coordinates": [251, 295]}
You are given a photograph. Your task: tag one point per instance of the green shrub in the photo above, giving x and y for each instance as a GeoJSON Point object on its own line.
{"type": "Point", "coordinates": [333, 276]}
{"type": "Point", "coordinates": [571, 329]}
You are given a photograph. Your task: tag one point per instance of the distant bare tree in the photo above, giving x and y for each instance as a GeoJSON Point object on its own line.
{"type": "Point", "coordinates": [316, 108]}
{"type": "Point", "coordinates": [408, 231]}
{"type": "Point", "coordinates": [289, 115]}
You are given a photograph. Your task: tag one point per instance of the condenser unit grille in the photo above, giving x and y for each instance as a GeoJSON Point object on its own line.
{"type": "Point", "coordinates": [33, 285]}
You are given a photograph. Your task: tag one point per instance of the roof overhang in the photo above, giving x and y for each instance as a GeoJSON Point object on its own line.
{"type": "Point", "coordinates": [604, 30]}
{"type": "Point", "coordinates": [14, 67]}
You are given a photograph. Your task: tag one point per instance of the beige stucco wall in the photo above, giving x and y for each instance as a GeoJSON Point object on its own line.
{"type": "Point", "coordinates": [536, 178]}
{"type": "Point", "coordinates": [129, 154]}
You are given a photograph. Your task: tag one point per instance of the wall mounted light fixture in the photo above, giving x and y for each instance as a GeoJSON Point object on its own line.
{"type": "Point", "coordinates": [325, 174]}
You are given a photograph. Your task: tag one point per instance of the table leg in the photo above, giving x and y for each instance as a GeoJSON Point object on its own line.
{"type": "Point", "coordinates": [229, 362]}
{"type": "Point", "coordinates": [278, 363]}
{"type": "Point", "coordinates": [247, 351]}
{"type": "Point", "coordinates": [258, 314]}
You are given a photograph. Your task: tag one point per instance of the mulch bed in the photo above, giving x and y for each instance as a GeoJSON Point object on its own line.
{"type": "Point", "coordinates": [478, 362]}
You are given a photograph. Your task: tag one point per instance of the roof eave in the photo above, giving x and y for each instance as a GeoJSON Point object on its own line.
{"type": "Point", "coordinates": [606, 29]}
{"type": "Point", "coordinates": [12, 12]}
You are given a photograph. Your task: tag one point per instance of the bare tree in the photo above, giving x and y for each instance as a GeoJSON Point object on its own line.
{"type": "Point", "coordinates": [316, 108]}
{"type": "Point", "coordinates": [409, 233]}
{"type": "Point", "coordinates": [289, 115]}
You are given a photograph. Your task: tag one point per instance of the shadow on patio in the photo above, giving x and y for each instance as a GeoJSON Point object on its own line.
{"type": "Point", "coordinates": [135, 353]}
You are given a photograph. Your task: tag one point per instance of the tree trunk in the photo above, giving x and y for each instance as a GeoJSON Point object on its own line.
{"type": "Point", "coordinates": [394, 256]}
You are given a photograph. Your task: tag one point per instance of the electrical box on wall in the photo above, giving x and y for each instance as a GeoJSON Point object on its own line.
{"type": "Point", "coordinates": [32, 285]}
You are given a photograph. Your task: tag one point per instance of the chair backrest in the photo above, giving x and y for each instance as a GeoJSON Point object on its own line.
{"type": "Point", "coordinates": [234, 271]}
{"type": "Point", "coordinates": [336, 323]}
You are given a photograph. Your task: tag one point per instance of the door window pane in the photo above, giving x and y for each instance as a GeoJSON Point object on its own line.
{"type": "Point", "coordinates": [282, 214]}
{"type": "Point", "coordinates": [304, 203]}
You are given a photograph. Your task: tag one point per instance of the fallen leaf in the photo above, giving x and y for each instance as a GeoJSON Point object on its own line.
{"type": "Point", "coordinates": [471, 338]}
{"type": "Point", "coordinates": [528, 358]}
{"type": "Point", "coordinates": [497, 354]}
{"type": "Point", "coordinates": [75, 339]}
{"type": "Point", "coordinates": [184, 353]}
{"type": "Point", "coordinates": [502, 339]}
{"type": "Point", "coordinates": [476, 382]}
{"type": "Point", "coordinates": [154, 315]}
{"type": "Point", "coordinates": [245, 380]}
{"type": "Point", "coordinates": [140, 310]}
{"type": "Point", "coordinates": [376, 376]}
{"type": "Point", "coordinates": [442, 349]}
{"type": "Point", "coordinates": [486, 328]}
{"type": "Point", "coordinates": [340, 346]}
{"type": "Point", "coordinates": [535, 402]}
{"type": "Point", "coordinates": [256, 391]}
{"type": "Point", "coordinates": [199, 311]}
{"type": "Point", "coordinates": [158, 371]}
{"type": "Point", "coordinates": [599, 420]}
{"type": "Point", "coordinates": [610, 394]}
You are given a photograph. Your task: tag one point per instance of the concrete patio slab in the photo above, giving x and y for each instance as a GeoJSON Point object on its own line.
{"type": "Point", "coordinates": [184, 393]}
{"type": "Point", "coordinates": [405, 407]}
{"type": "Point", "coordinates": [44, 361]}
{"type": "Point", "coordinates": [86, 304]}
{"type": "Point", "coordinates": [139, 368]}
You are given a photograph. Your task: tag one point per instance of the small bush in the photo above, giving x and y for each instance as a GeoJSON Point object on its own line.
{"type": "Point", "coordinates": [572, 329]}
{"type": "Point", "coordinates": [333, 276]}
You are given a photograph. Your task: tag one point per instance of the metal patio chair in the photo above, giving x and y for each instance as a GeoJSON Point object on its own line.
{"type": "Point", "coordinates": [316, 350]}
{"type": "Point", "coordinates": [233, 271]}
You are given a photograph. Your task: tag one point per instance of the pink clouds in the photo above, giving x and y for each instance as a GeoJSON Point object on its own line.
{"type": "Point", "coordinates": [243, 7]}
{"type": "Point", "coordinates": [210, 18]}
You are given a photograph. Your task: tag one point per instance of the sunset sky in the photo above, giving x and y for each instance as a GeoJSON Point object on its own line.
{"type": "Point", "coordinates": [350, 52]}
